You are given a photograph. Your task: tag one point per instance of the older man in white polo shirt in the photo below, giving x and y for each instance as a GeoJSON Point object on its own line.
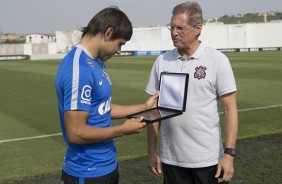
{"type": "Point", "coordinates": [191, 148]}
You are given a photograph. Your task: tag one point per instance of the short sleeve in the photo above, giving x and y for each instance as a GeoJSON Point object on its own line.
{"type": "Point", "coordinates": [225, 81]}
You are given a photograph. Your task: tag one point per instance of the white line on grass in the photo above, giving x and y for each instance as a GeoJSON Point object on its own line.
{"type": "Point", "coordinates": [29, 138]}
{"type": "Point", "coordinates": [59, 134]}
{"type": "Point", "coordinates": [257, 108]}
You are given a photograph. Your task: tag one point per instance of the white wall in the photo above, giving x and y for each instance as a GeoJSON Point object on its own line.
{"type": "Point", "coordinates": [243, 35]}
{"type": "Point", "coordinates": [52, 48]}
{"type": "Point", "coordinates": [236, 36]}
{"type": "Point", "coordinates": [218, 36]}
{"type": "Point", "coordinates": [167, 43]}
{"type": "Point", "coordinates": [263, 35]}
{"type": "Point", "coordinates": [256, 35]}
{"type": "Point", "coordinates": [66, 40]}
{"type": "Point", "coordinates": [27, 49]}
{"type": "Point", "coordinates": [144, 39]}
{"type": "Point", "coordinates": [214, 35]}
{"type": "Point", "coordinates": [11, 49]}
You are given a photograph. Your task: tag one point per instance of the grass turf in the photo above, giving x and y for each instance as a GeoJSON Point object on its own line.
{"type": "Point", "coordinates": [258, 161]}
{"type": "Point", "coordinates": [28, 108]}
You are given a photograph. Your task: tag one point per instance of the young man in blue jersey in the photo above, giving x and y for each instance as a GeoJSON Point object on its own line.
{"type": "Point", "coordinates": [84, 93]}
{"type": "Point", "coordinates": [191, 149]}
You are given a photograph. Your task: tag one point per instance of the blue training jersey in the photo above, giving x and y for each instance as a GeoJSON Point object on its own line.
{"type": "Point", "coordinates": [82, 83]}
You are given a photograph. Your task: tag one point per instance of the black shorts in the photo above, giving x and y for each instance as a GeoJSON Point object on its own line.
{"type": "Point", "coordinates": [111, 178]}
{"type": "Point", "coordinates": [180, 175]}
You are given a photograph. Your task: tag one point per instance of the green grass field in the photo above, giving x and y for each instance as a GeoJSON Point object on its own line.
{"type": "Point", "coordinates": [29, 109]}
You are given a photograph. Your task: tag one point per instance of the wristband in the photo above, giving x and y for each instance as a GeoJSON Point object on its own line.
{"type": "Point", "coordinates": [230, 151]}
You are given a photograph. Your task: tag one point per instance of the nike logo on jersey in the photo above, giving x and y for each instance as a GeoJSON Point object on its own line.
{"type": "Point", "coordinates": [100, 82]}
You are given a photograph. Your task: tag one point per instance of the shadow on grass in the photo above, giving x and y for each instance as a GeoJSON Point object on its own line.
{"type": "Point", "coordinates": [258, 161]}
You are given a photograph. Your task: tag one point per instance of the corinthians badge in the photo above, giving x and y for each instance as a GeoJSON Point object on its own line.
{"type": "Point", "coordinates": [200, 72]}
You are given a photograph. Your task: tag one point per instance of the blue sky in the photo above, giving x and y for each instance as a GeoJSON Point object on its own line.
{"type": "Point", "coordinates": [48, 16]}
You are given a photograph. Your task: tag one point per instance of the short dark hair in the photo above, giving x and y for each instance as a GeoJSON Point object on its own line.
{"type": "Point", "coordinates": [106, 18]}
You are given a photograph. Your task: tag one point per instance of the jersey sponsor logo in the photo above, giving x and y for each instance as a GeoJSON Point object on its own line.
{"type": "Point", "coordinates": [105, 107]}
{"type": "Point", "coordinates": [88, 61]}
{"type": "Point", "coordinates": [200, 72]}
{"type": "Point", "coordinates": [86, 94]}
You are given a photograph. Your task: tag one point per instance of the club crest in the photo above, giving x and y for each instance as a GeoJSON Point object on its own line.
{"type": "Point", "coordinates": [90, 63]}
{"type": "Point", "coordinates": [200, 72]}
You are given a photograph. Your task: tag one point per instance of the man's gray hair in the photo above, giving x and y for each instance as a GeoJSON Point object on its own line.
{"type": "Point", "coordinates": [192, 9]}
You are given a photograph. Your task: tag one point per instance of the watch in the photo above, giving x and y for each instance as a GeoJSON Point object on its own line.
{"type": "Point", "coordinates": [230, 151]}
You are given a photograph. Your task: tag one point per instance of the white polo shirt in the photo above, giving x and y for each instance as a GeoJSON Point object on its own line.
{"type": "Point", "coordinates": [193, 139]}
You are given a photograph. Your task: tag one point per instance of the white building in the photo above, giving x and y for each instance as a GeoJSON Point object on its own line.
{"type": "Point", "coordinates": [40, 38]}
{"type": "Point", "coordinates": [216, 35]}
{"type": "Point", "coordinates": [155, 40]}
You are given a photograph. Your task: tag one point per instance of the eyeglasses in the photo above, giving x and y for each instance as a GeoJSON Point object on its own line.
{"type": "Point", "coordinates": [179, 29]}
